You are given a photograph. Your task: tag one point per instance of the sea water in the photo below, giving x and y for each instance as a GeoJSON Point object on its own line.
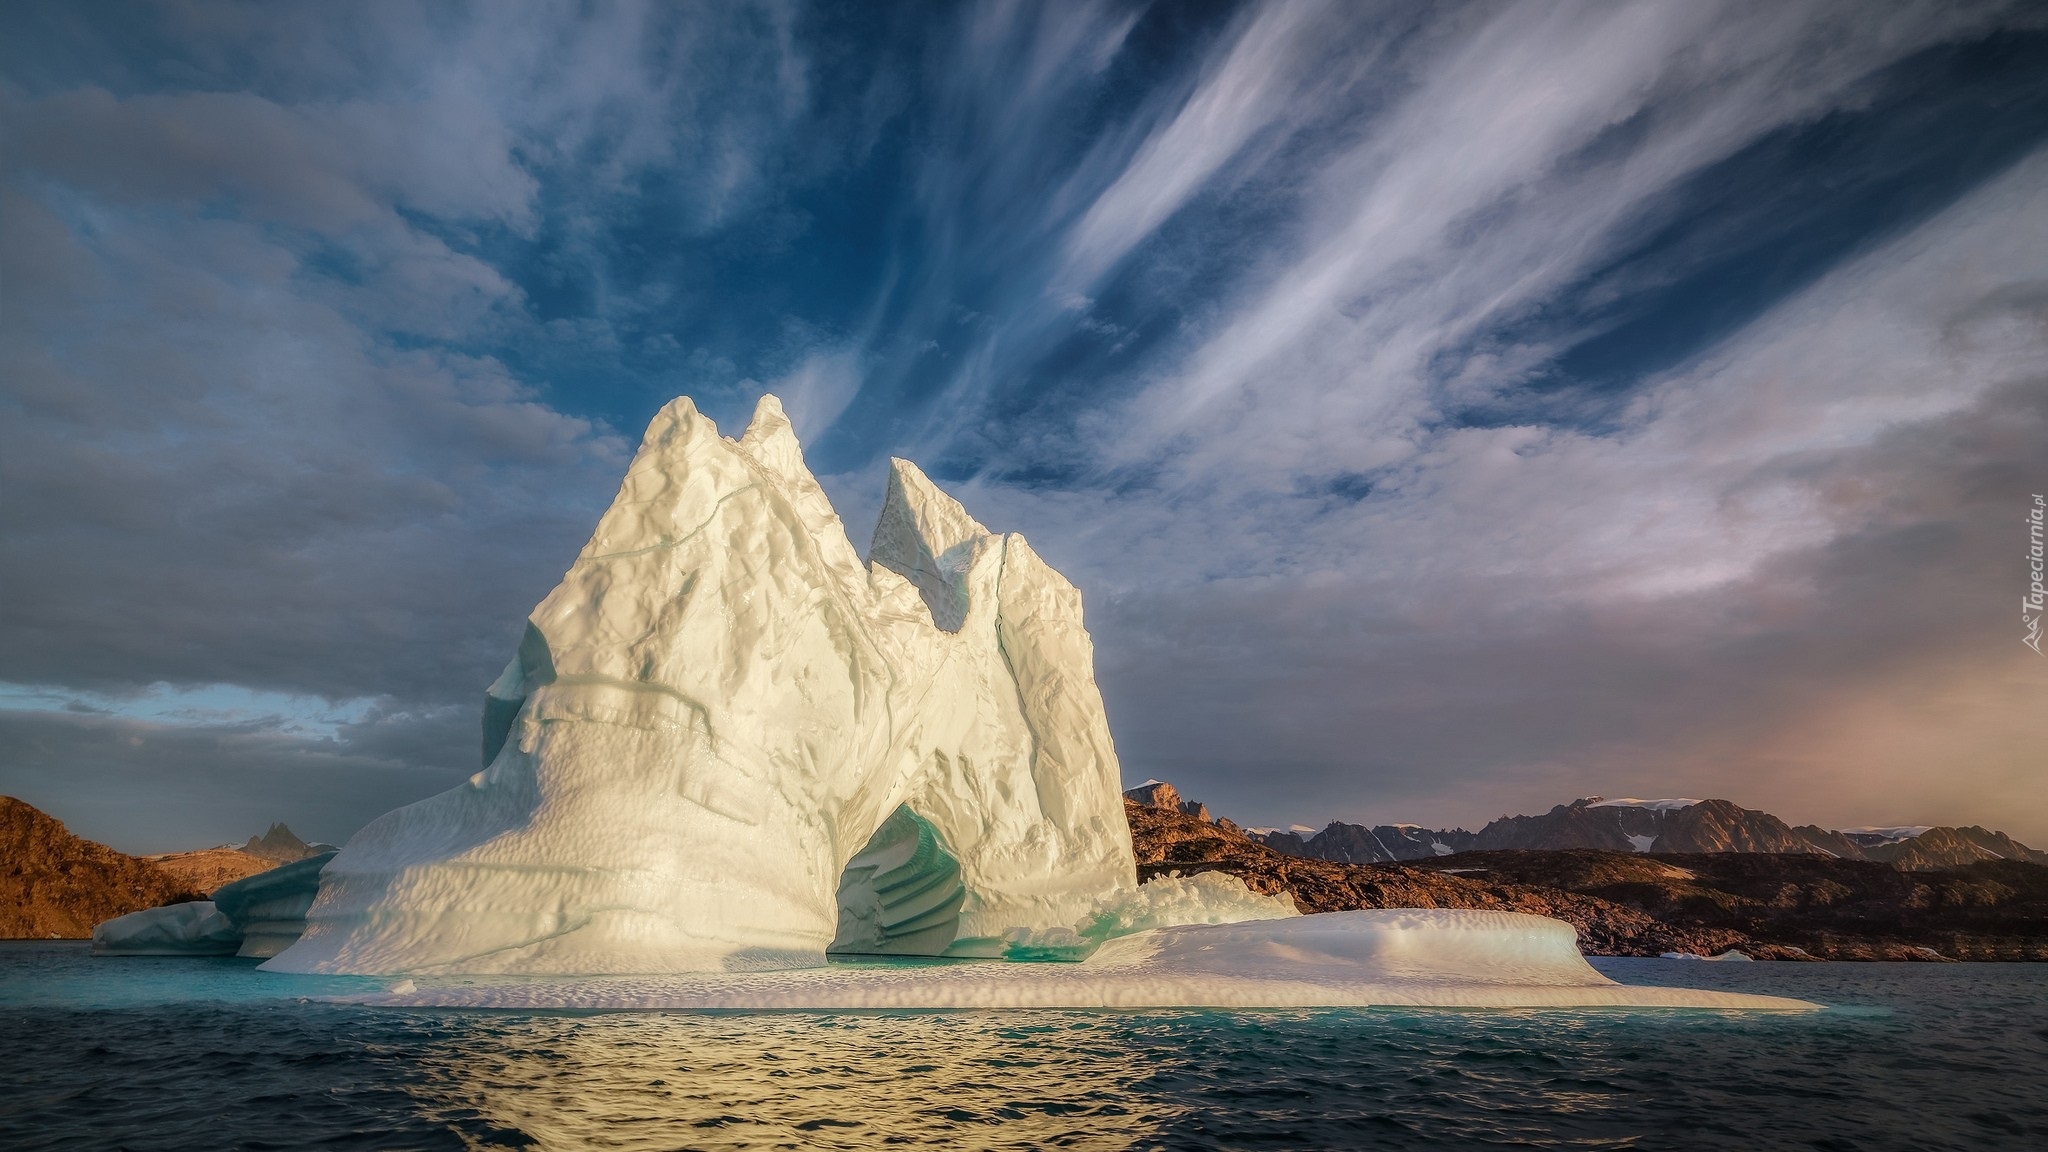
{"type": "Point", "coordinates": [209, 1054]}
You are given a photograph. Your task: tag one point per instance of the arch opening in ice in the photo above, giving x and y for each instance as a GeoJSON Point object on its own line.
{"type": "Point", "coordinates": [901, 894]}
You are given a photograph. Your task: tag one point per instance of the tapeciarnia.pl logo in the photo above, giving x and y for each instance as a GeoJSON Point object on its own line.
{"type": "Point", "coordinates": [2032, 603]}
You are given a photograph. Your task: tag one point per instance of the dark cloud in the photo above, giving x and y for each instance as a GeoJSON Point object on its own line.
{"type": "Point", "coordinates": [214, 475]}
{"type": "Point", "coordinates": [162, 788]}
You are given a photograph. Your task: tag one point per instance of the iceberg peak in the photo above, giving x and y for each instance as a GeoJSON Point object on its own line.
{"type": "Point", "coordinates": [771, 441]}
{"type": "Point", "coordinates": [927, 537]}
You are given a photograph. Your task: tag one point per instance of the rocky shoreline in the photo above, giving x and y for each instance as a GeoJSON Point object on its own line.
{"type": "Point", "coordinates": [1769, 907]}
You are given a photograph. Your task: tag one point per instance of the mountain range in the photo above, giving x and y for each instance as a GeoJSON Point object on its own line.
{"type": "Point", "coordinates": [1665, 827]}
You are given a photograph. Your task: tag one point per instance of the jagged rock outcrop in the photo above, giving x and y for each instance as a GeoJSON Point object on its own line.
{"type": "Point", "coordinates": [280, 845]}
{"type": "Point", "coordinates": [1287, 840]}
{"type": "Point", "coordinates": [54, 884]}
{"type": "Point", "coordinates": [719, 708]}
{"type": "Point", "coordinates": [1159, 794]}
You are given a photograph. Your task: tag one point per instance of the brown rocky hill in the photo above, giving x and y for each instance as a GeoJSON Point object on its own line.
{"type": "Point", "coordinates": [1770, 906]}
{"type": "Point", "coordinates": [1160, 794]}
{"type": "Point", "coordinates": [55, 884]}
{"type": "Point", "coordinates": [209, 868]}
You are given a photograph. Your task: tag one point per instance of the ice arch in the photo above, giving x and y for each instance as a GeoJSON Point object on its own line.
{"type": "Point", "coordinates": [720, 708]}
{"type": "Point", "coordinates": [901, 894]}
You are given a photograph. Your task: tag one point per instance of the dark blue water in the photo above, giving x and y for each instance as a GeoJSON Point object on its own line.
{"type": "Point", "coordinates": [209, 1054]}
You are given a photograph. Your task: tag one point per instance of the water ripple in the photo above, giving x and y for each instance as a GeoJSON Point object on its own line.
{"type": "Point", "coordinates": [1918, 1057]}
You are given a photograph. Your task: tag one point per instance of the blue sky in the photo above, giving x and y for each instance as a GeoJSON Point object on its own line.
{"type": "Point", "coordinates": [1446, 410]}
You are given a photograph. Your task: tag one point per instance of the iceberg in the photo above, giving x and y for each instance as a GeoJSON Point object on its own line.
{"type": "Point", "coordinates": [196, 928]}
{"type": "Point", "coordinates": [269, 908]}
{"type": "Point", "coordinates": [727, 748]}
{"type": "Point", "coordinates": [259, 915]}
{"type": "Point", "coordinates": [727, 743]}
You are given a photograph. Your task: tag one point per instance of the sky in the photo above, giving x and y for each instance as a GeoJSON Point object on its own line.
{"type": "Point", "coordinates": [1446, 410]}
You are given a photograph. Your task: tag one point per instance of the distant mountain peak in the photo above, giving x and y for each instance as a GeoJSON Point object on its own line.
{"type": "Point", "coordinates": [1666, 826]}
{"type": "Point", "coordinates": [281, 844]}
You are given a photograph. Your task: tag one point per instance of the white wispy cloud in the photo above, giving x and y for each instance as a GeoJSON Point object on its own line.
{"type": "Point", "coordinates": [1253, 87]}
{"type": "Point", "coordinates": [1471, 199]}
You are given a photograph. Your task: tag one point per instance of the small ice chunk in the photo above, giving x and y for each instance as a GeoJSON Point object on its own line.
{"type": "Point", "coordinates": [194, 929]}
{"type": "Point", "coordinates": [1204, 898]}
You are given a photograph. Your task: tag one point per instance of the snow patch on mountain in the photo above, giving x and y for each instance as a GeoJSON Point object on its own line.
{"type": "Point", "coordinates": [1671, 805]}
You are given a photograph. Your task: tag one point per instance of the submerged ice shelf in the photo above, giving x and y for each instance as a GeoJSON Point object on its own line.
{"type": "Point", "coordinates": [1387, 958]}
